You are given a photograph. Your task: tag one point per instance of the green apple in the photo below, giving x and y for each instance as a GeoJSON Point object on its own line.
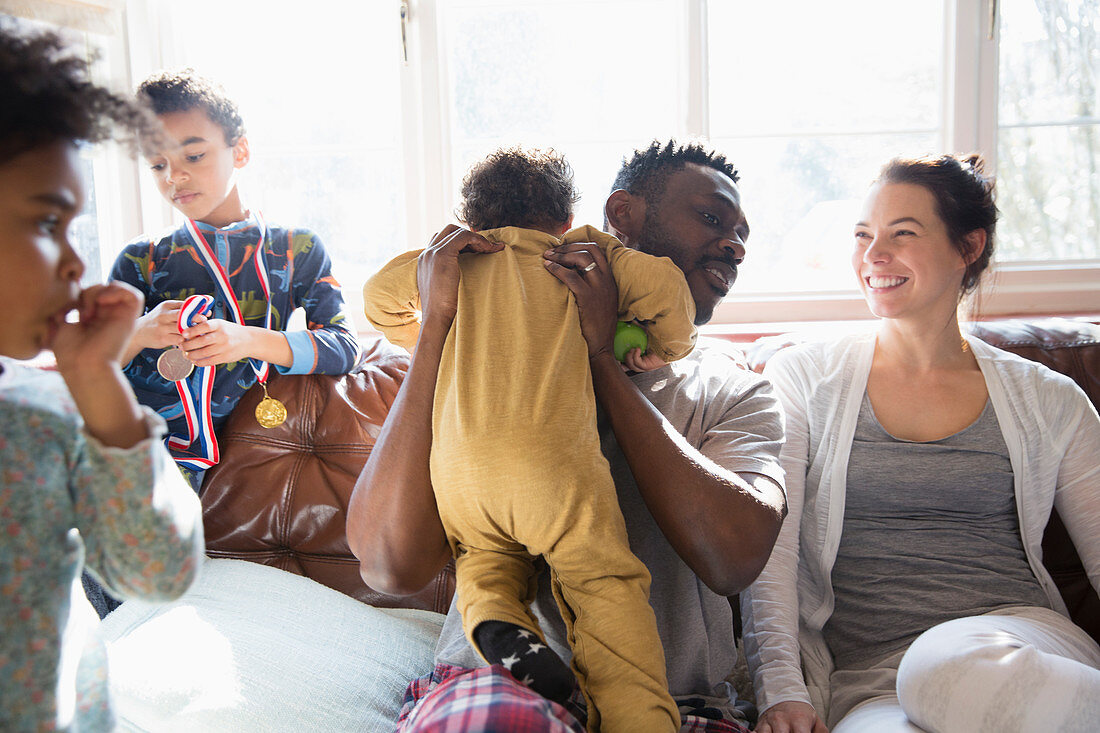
{"type": "Point", "coordinates": [629, 336]}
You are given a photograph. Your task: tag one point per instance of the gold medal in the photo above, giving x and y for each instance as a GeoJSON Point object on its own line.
{"type": "Point", "coordinates": [173, 364]}
{"type": "Point", "coordinates": [270, 413]}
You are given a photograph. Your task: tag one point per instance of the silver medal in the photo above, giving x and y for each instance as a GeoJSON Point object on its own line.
{"type": "Point", "coordinates": [174, 365]}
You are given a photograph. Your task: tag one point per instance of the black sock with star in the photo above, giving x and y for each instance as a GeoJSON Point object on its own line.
{"type": "Point", "coordinates": [529, 660]}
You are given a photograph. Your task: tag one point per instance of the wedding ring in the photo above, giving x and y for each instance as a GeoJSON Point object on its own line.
{"type": "Point", "coordinates": [589, 267]}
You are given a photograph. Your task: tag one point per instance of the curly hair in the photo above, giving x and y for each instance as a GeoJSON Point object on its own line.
{"type": "Point", "coordinates": [183, 90]}
{"type": "Point", "coordinates": [646, 172]}
{"type": "Point", "coordinates": [48, 94]}
{"type": "Point", "coordinates": [519, 187]}
{"type": "Point", "coordinates": [964, 195]}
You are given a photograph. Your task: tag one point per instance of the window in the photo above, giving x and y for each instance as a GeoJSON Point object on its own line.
{"type": "Point", "coordinates": [1048, 134]}
{"type": "Point", "coordinates": [363, 121]}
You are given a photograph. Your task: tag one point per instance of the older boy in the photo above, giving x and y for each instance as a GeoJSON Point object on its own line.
{"type": "Point", "coordinates": [693, 448]}
{"type": "Point", "coordinates": [255, 274]}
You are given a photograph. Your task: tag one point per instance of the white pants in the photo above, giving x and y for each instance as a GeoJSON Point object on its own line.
{"type": "Point", "coordinates": [1016, 669]}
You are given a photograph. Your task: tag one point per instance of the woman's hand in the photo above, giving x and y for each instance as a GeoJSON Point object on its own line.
{"type": "Point", "coordinates": [594, 288]}
{"type": "Point", "coordinates": [790, 717]}
{"type": "Point", "coordinates": [437, 271]}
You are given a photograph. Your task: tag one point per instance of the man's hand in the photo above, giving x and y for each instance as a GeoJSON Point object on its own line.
{"type": "Point", "coordinates": [790, 717]}
{"type": "Point", "coordinates": [594, 288]}
{"type": "Point", "coordinates": [437, 271]}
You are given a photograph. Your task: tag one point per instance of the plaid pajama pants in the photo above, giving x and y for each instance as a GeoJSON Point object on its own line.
{"type": "Point", "coordinates": [490, 700]}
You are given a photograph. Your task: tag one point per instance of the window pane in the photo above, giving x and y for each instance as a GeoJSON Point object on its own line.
{"type": "Point", "coordinates": [811, 114]}
{"type": "Point", "coordinates": [1048, 168]}
{"type": "Point", "coordinates": [1048, 191]}
{"type": "Point", "coordinates": [1049, 60]}
{"type": "Point", "coordinates": [84, 231]}
{"type": "Point", "coordinates": [860, 65]}
{"type": "Point", "coordinates": [319, 90]}
{"type": "Point", "coordinates": [553, 73]}
{"type": "Point", "coordinates": [802, 197]}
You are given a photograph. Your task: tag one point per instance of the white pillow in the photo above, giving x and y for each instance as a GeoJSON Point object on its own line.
{"type": "Point", "coordinates": [254, 648]}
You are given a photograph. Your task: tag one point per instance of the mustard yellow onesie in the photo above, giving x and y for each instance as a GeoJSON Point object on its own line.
{"type": "Point", "coordinates": [516, 461]}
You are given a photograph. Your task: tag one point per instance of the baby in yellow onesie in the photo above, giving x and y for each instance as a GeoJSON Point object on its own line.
{"type": "Point", "coordinates": [516, 462]}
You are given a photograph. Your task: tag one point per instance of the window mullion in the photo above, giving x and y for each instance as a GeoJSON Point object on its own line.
{"type": "Point", "coordinates": [970, 79]}
{"type": "Point", "coordinates": [697, 67]}
{"type": "Point", "coordinates": [425, 139]}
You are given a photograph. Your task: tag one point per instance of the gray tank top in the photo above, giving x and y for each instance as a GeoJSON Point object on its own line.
{"type": "Point", "coordinates": [931, 533]}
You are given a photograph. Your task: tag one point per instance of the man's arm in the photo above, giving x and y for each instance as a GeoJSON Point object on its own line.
{"type": "Point", "coordinates": [722, 524]}
{"type": "Point", "coordinates": [393, 523]}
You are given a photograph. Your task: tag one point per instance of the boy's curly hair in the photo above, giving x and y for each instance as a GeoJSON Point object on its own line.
{"type": "Point", "coordinates": [646, 172]}
{"type": "Point", "coordinates": [519, 187]}
{"type": "Point", "coordinates": [182, 90]}
{"type": "Point", "coordinates": [48, 95]}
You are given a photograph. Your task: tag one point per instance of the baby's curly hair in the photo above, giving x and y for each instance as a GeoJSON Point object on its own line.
{"type": "Point", "coordinates": [182, 90]}
{"type": "Point", "coordinates": [48, 95]}
{"type": "Point", "coordinates": [519, 187]}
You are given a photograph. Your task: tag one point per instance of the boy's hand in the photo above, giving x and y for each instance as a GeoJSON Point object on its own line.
{"type": "Point", "coordinates": [107, 317]}
{"type": "Point", "coordinates": [594, 288]}
{"type": "Point", "coordinates": [216, 341]}
{"type": "Point", "coordinates": [437, 271]}
{"type": "Point", "coordinates": [158, 329]}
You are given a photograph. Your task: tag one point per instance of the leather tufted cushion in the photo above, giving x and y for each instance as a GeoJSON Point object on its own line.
{"type": "Point", "coordinates": [1072, 348]}
{"type": "Point", "coordinates": [279, 496]}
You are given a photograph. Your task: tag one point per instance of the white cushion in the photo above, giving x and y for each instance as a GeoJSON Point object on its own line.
{"type": "Point", "coordinates": [253, 648]}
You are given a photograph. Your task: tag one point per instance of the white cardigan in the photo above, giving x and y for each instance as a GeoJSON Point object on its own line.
{"type": "Point", "coordinates": [1053, 436]}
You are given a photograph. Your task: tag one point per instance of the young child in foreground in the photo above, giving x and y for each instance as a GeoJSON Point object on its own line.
{"type": "Point", "coordinates": [253, 276]}
{"type": "Point", "coordinates": [84, 476]}
{"type": "Point", "coordinates": [516, 461]}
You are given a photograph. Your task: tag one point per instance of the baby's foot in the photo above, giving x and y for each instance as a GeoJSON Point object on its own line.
{"type": "Point", "coordinates": [529, 660]}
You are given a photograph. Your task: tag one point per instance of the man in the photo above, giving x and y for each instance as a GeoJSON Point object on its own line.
{"type": "Point", "coordinates": [693, 448]}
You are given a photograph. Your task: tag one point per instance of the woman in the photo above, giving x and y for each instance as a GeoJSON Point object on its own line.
{"type": "Point", "coordinates": [922, 467]}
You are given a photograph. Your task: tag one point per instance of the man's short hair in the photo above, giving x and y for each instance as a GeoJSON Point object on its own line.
{"type": "Point", "coordinates": [519, 187]}
{"type": "Point", "coordinates": [183, 90]}
{"type": "Point", "coordinates": [48, 96]}
{"type": "Point", "coordinates": [646, 173]}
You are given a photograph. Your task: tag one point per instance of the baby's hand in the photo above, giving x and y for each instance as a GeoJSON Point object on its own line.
{"type": "Point", "coordinates": [159, 329]}
{"type": "Point", "coordinates": [636, 361]}
{"type": "Point", "coordinates": [107, 319]}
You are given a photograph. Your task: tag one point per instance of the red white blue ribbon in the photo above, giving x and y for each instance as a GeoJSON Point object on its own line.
{"type": "Point", "coordinates": [200, 447]}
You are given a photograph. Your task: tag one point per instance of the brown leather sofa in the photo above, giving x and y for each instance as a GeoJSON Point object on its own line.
{"type": "Point", "coordinates": [280, 496]}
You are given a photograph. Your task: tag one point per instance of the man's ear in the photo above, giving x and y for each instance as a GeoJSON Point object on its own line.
{"type": "Point", "coordinates": [625, 215]}
{"type": "Point", "coordinates": [975, 244]}
{"type": "Point", "coordinates": [241, 152]}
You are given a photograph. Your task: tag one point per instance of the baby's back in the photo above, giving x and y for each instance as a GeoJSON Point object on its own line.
{"type": "Point", "coordinates": [515, 376]}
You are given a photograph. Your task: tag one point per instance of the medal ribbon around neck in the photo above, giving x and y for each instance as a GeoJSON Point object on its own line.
{"type": "Point", "coordinates": [199, 449]}
{"type": "Point", "coordinates": [221, 281]}
{"type": "Point", "coordinates": [201, 445]}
